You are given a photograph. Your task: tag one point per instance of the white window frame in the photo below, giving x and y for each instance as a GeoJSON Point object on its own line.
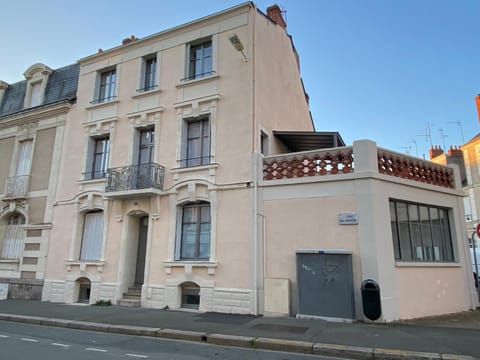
{"type": "Point", "coordinates": [90, 173]}
{"type": "Point", "coordinates": [213, 65]}
{"type": "Point", "coordinates": [112, 89]}
{"type": "Point", "coordinates": [144, 87]}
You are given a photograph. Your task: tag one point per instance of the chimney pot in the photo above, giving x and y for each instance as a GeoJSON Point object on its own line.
{"type": "Point", "coordinates": [275, 14]}
{"type": "Point", "coordinates": [435, 151]}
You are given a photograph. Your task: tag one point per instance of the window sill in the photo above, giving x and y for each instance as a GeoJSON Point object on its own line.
{"type": "Point", "coordinates": [9, 261]}
{"type": "Point", "coordinates": [185, 170]}
{"type": "Point", "coordinates": [91, 181]}
{"type": "Point", "coordinates": [427, 264]}
{"type": "Point", "coordinates": [197, 81]}
{"type": "Point", "coordinates": [82, 264]}
{"type": "Point", "coordinates": [146, 93]}
{"type": "Point", "coordinates": [102, 104]}
{"type": "Point", "coordinates": [189, 265]}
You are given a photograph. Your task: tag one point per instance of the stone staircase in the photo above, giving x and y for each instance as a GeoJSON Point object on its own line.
{"type": "Point", "coordinates": [132, 297]}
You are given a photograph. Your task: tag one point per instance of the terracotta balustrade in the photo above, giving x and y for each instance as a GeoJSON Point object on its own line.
{"type": "Point", "coordinates": [317, 163]}
{"type": "Point", "coordinates": [415, 169]}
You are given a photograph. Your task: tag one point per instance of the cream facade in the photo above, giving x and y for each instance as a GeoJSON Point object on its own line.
{"type": "Point", "coordinates": [156, 200]}
{"type": "Point", "coordinates": [33, 114]}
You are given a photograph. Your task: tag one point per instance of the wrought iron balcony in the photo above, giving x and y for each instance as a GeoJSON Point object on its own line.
{"type": "Point", "coordinates": [135, 177]}
{"type": "Point", "coordinates": [17, 186]}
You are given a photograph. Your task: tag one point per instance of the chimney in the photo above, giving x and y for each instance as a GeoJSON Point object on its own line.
{"type": "Point", "coordinates": [275, 14]}
{"type": "Point", "coordinates": [455, 151]}
{"type": "Point", "coordinates": [435, 151]}
{"type": "Point", "coordinates": [477, 100]}
{"type": "Point", "coordinates": [130, 39]}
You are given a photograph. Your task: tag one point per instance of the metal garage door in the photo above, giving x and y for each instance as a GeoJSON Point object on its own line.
{"type": "Point", "coordinates": [325, 283]}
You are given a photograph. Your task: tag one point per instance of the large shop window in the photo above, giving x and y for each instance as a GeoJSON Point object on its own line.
{"type": "Point", "coordinates": [92, 236]}
{"type": "Point", "coordinates": [420, 232]}
{"type": "Point", "coordinates": [193, 232]}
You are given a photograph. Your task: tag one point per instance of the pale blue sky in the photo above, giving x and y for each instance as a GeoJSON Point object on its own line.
{"type": "Point", "coordinates": [374, 69]}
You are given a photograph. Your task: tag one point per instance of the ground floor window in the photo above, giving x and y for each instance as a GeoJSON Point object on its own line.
{"type": "Point", "coordinates": [420, 232]}
{"type": "Point", "coordinates": [190, 295]}
{"type": "Point", "coordinates": [193, 232]}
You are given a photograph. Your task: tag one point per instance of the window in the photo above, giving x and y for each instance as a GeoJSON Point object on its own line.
{"type": "Point", "coordinates": [35, 94]}
{"type": "Point", "coordinates": [420, 232]}
{"type": "Point", "coordinates": [24, 159]}
{"type": "Point", "coordinates": [196, 144]}
{"type": "Point", "coordinates": [200, 60]}
{"type": "Point", "coordinates": [146, 146]}
{"type": "Point", "coordinates": [106, 89]}
{"type": "Point", "coordinates": [193, 232]}
{"type": "Point", "coordinates": [263, 143]}
{"type": "Point", "coordinates": [149, 77]}
{"type": "Point", "coordinates": [92, 237]}
{"type": "Point", "coordinates": [99, 158]}
{"type": "Point", "coordinates": [13, 237]}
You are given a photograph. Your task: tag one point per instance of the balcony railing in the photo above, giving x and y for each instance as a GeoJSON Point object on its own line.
{"type": "Point", "coordinates": [17, 186]}
{"type": "Point", "coordinates": [135, 177]}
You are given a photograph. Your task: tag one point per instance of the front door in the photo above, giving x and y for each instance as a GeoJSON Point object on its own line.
{"type": "Point", "coordinates": [141, 250]}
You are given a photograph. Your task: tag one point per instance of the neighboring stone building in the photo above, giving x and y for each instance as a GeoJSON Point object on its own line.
{"type": "Point", "coordinates": [33, 114]}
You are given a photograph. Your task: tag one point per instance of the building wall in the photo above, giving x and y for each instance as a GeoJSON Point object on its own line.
{"type": "Point", "coordinates": [317, 202]}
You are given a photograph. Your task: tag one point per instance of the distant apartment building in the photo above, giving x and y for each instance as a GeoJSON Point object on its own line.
{"type": "Point", "coordinates": [33, 115]}
{"type": "Point", "coordinates": [191, 177]}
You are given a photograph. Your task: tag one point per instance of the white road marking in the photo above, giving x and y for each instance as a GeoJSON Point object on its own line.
{"type": "Point", "coordinates": [137, 356]}
{"type": "Point", "coordinates": [29, 340]}
{"type": "Point", "coordinates": [4, 336]}
{"type": "Point", "coordinates": [60, 345]}
{"type": "Point", "coordinates": [95, 349]}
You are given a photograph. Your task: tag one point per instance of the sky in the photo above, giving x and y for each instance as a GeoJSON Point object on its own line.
{"type": "Point", "coordinates": [391, 71]}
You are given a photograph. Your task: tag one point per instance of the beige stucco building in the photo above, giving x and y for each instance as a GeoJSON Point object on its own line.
{"type": "Point", "coordinates": [33, 114]}
{"type": "Point", "coordinates": [192, 178]}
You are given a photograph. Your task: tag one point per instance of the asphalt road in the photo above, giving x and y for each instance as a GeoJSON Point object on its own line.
{"type": "Point", "coordinates": [24, 341]}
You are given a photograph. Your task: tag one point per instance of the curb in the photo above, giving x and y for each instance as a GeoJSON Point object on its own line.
{"type": "Point", "coordinates": [334, 350]}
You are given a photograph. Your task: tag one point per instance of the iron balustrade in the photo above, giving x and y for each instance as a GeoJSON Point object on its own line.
{"type": "Point", "coordinates": [17, 186]}
{"type": "Point", "coordinates": [135, 177]}
{"type": "Point", "coordinates": [198, 76]}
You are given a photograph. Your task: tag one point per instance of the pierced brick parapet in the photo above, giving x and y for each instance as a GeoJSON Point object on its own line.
{"type": "Point", "coordinates": [414, 169]}
{"type": "Point", "coordinates": [317, 163]}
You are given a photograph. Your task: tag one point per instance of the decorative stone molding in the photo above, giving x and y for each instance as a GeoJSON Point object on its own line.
{"type": "Point", "coordinates": [37, 68]}
{"type": "Point", "coordinates": [99, 127]}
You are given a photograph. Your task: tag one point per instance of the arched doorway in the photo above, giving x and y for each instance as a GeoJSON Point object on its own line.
{"type": "Point", "coordinates": [84, 290]}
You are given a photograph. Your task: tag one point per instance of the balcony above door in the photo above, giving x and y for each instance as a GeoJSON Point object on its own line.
{"type": "Point", "coordinates": [134, 180]}
{"type": "Point", "coordinates": [16, 187]}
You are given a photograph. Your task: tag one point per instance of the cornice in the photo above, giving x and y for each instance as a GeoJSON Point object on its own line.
{"type": "Point", "coordinates": [32, 115]}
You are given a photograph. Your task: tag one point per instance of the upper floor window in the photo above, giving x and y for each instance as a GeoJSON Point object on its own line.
{"type": "Point", "coordinates": [196, 143]}
{"type": "Point", "coordinates": [146, 146]}
{"type": "Point", "coordinates": [149, 74]}
{"type": "Point", "coordinates": [106, 86]}
{"type": "Point", "coordinates": [35, 94]}
{"type": "Point", "coordinates": [420, 232]}
{"type": "Point", "coordinates": [193, 232]}
{"type": "Point", "coordinates": [24, 159]}
{"type": "Point", "coordinates": [98, 161]}
{"type": "Point", "coordinates": [200, 60]}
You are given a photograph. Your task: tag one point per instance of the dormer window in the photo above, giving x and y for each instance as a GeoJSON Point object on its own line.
{"type": "Point", "coordinates": [37, 77]}
{"type": "Point", "coordinates": [35, 94]}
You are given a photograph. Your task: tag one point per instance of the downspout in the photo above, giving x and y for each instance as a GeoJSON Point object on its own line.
{"type": "Point", "coordinates": [255, 172]}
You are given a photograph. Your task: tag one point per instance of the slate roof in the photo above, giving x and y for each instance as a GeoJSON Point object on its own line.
{"type": "Point", "coordinates": [62, 85]}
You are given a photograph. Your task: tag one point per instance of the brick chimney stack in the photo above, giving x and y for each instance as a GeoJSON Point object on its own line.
{"type": "Point", "coordinates": [455, 151]}
{"type": "Point", "coordinates": [275, 14]}
{"type": "Point", "coordinates": [435, 151]}
{"type": "Point", "coordinates": [477, 100]}
{"type": "Point", "coordinates": [126, 41]}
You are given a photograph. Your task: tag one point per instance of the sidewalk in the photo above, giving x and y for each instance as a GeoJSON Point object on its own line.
{"type": "Point", "coordinates": [448, 337]}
